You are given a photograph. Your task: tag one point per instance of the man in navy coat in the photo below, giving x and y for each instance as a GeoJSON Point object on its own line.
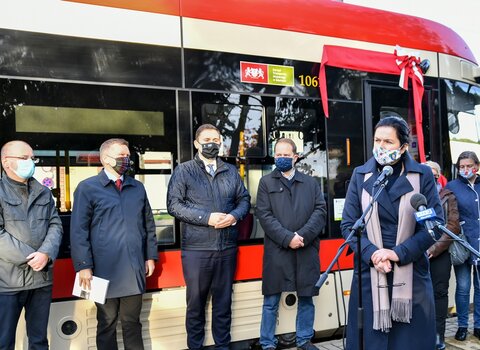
{"type": "Point", "coordinates": [113, 237]}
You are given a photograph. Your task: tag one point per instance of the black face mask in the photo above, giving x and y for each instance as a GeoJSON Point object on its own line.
{"type": "Point", "coordinates": [122, 165]}
{"type": "Point", "coordinates": [210, 150]}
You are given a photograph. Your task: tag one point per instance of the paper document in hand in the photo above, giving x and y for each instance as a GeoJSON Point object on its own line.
{"type": "Point", "coordinates": [97, 292]}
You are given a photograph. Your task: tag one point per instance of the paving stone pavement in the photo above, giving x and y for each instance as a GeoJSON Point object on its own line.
{"type": "Point", "coordinates": [471, 343]}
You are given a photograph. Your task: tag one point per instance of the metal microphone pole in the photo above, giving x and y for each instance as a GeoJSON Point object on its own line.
{"type": "Point", "coordinates": [463, 242]}
{"type": "Point", "coordinates": [356, 230]}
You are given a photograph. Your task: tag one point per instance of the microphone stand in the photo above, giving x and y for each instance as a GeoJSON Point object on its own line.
{"type": "Point", "coordinates": [463, 242]}
{"type": "Point", "coordinates": [356, 230]}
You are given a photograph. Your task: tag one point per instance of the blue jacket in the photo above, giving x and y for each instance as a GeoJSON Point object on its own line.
{"type": "Point", "coordinates": [420, 333]}
{"type": "Point", "coordinates": [193, 195]}
{"type": "Point", "coordinates": [113, 233]}
{"type": "Point", "coordinates": [468, 201]}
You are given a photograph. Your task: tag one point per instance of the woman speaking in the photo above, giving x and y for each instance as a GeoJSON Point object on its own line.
{"type": "Point", "coordinates": [397, 292]}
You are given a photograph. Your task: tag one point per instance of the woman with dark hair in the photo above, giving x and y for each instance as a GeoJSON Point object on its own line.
{"type": "Point", "coordinates": [397, 292]}
{"type": "Point", "coordinates": [467, 190]}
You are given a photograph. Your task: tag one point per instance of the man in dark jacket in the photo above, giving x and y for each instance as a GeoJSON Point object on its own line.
{"type": "Point", "coordinates": [113, 237]}
{"type": "Point", "coordinates": [30, 235]}
{"type": "Point", "coordinates": [291, 210]}
{"type": "Point", "coordinates": [209, 198]}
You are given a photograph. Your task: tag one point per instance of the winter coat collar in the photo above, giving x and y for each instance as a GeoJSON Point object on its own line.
{"type": "Point", "coordinates": [104, 180]}
{"type": "Point", "coordinates": [399, 188]}
{"type": "Point", "coordinates": [297, 177]}
{"type": "Point", "coordinates": [220, 163]}
{"type": "Point", "coordinates": [466, 182]}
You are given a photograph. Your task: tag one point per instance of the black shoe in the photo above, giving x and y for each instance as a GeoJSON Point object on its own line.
{"type": "Point", "coordinates": [440, 344]}
{"type": "Point", "coordinates": [476, 332]}
{"type": "Point", "coordinates": [461, 333]}
{"type": "Point", "coordinates": [307, 346]}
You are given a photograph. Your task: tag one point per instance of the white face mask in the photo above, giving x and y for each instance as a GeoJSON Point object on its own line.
{"type": "Point", "coordinates": [385, 157]}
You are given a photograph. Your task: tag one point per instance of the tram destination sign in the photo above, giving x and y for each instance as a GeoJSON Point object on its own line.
{"type": "Point", "coordinates": [260, 73]}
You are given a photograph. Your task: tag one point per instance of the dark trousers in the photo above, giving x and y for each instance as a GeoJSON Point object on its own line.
{"type": "Point", "coordinates": [440, 268]}
{"type": "Point", "coordinates": [204, 272]}
{"type": "Point", "coordinates": [37, 309]}
{"type": "Point", "coordinates": [128, 310]}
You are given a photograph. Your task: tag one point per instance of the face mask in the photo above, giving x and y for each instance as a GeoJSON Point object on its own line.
{"type": "Point", "coordinates": [25, 168]}
{"type": "Point", "coordinates": [122, 164]}
{"type": "Point", "coordinates": [284, 163]}
{"type": "Point", "coordinates": [210, 150]}
{"type": "Point", "coordinates": [385, 157]}
{"type": "Point", "coordinates": [468, 174]}
{"type": "Point", "coordinates": [439, 187]}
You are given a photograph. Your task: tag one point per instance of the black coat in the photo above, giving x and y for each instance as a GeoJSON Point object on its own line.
{"type": "Point", "coordinates": [113, 233]}
{"type": "Point", "coordinates": [419, 334]}
{"type": "Point", "coordinates": [193, 195]}
{"type": "Point", "coordinates": [282, 211]}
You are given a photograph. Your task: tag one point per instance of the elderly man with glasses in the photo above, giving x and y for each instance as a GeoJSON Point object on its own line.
{"type": "Point", "coordinates": [30, 236]}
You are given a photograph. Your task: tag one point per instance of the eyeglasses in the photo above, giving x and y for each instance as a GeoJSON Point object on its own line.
{"type": "Point", "coordinates": [34, 160]}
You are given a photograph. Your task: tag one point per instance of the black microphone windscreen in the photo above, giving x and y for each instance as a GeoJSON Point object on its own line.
{"type": "Point", "coordinates": [418, 200]}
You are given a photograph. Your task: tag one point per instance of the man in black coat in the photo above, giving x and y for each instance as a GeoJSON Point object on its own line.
{"type": "Point", "coordinates": [209, 197]}
{"type": "Point", "coordinates": [113, 236]}
{"type": "Point", "coordinates": [291, 210]}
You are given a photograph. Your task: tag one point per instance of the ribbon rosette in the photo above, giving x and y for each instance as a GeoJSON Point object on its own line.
{"type": "Point", "coordinates": [408, 63]}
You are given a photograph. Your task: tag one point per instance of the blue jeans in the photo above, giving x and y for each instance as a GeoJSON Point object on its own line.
{"type": "Point", "coordinates": [463, 275]}
{"type": "Point", "coordinates": [304, 321]}
{"type": "Point", "coordinates": [37, 309]}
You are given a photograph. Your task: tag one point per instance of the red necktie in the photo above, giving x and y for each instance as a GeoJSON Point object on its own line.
{"type": "Point", "coordinates": [118, 184]}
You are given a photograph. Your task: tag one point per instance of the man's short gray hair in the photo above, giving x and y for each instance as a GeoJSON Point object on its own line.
{"type": "Point", "coordinates": [109, 143]}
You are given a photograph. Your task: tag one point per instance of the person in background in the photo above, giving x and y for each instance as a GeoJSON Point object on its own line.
{"type": "Point", "coordinates": [292, 212]}
{"type": "Point", "coordinates": [112, 236]}
{"type": "Point", "coordinates": [397, 291]}
{"type": "Point", "coordinates": [440, 263]}
{"type": "Point", "coordinates": [30, 236]}
{"type": "Point", "coordinates": [467, 191]}
{"type": "Point", "coordinates": [208, 196]}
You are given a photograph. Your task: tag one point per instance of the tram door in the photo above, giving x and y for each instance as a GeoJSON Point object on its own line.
{"type": "Point", "coordinates": [386, 100]}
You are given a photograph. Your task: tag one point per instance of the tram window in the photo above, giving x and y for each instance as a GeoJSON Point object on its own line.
{"type": "Point", "coordinates": [155, 160]}
{"type": "Point", "coordinates": [156, 187]}
{"type": "Point", "coordinates": [87, 121]}
{"type": "Point", "coordinates": [241, 127]}
{"type": "Point", "coordinates": [66, 123]}
{"type": "Point", "coordinates": [345, 152]}
{"type": "Point", "coordinates": [463, 110]}
{"type": "Point", "coordinates": [301, 121]}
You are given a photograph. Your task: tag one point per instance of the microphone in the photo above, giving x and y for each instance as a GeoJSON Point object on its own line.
{"type": "Point", "coordinates": [386, 172]}
{"type": "Point", "coordinates": [424, 214]}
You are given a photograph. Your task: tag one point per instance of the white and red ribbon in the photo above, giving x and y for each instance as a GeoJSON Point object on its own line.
{"type": "Point", "coordinates": [409, 65]}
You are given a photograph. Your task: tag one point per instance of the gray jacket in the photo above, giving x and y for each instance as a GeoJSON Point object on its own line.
{"type": "Point", "coordinates": [27, 225]}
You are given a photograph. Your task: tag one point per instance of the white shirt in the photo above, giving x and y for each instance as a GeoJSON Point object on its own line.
{"type": "Point", "coordinates": [111, 176]}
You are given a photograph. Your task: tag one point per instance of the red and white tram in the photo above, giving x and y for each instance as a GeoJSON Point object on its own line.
{"type": "Point", "coordinates": [74, 73]}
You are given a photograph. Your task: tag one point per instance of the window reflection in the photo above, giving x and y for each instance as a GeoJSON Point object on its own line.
{"type": "Point", "coordinates": [463, 111]}
{"type": "Point", "coordinates": [241, 127]}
